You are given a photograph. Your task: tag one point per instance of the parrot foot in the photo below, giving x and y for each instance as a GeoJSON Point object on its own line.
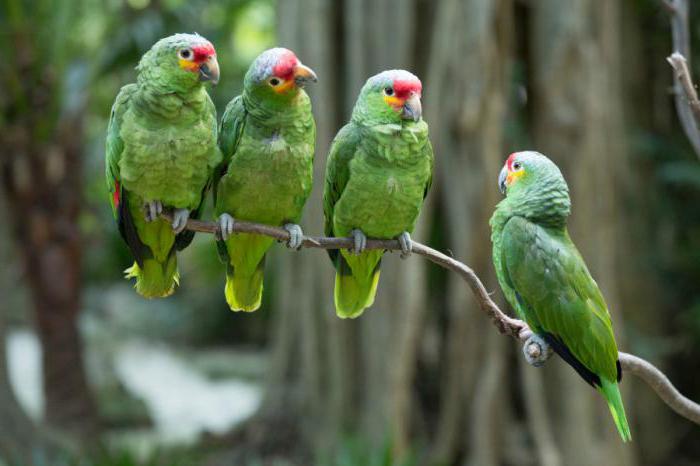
{"type": "Point", "coordinates": [180, 217]}
{"type": "Point", "coordinates": [153, 210]}
{"type": "Point", "coordinates": [296, 235]}
{"type": "Point", "coordinates": [226, 226]}
{"type": "Point", "coordinates": [359, 240]}
{"type": "Point", "coordinates": [406, 244]}
{"type": "Point", "coordinates": [536, 350]}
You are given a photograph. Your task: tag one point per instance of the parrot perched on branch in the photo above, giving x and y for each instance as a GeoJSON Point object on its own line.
{"type": "Point", "coordinates": [379, 171]}
{"type": "Point", "coordinates": [267, 138]}
{"type": "Point", "coordinates": [545, 279]}
{"type": "Point", "coordinates": [161, 152]}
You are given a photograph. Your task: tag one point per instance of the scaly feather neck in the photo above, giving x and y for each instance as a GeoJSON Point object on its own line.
{"type": "Point", "coordinates": [545, 203]}
{"type": "Point", "coordinates": [159, 100]}
{"type": "Point", "coordinates": [273, 113]}
{"type": "Point", "coordinates": [396, 143]}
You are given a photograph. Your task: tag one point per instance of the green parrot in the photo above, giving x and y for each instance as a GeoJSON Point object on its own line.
{"type": "Point", "coordinates": [267, 138]}
{"type": "Point", "coordinates": [379, 171]}
{"type": "Point", "coordinates": [161, 152]}
{"type": "Point", "coordinates": [545, 279]}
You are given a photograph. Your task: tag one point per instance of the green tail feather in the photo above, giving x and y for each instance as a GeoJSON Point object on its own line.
{"type": "Point", "coordinates": [244, 293]}
{"type": "Point", "coordinates": [353, 293]}
{"type": "Point", "coordinates": [156, 279]}
{"type": "Point", "coordinates": [611, 392]}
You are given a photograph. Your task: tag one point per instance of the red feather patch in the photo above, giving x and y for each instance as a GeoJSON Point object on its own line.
{"type": "Point", "coordinates": [511, 159]}
{"type": "Point", "coordinates": [404, 87]}
{"type": "Point", "coordinates": [284, 68]}
{"type": "Point", "coordinates": [116, 194]}
{"type": "Point", "coordinates": [203, 52]}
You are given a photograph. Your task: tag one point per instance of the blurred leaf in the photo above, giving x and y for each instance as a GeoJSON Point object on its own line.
{"type": "Point", "coordinates": [681, 173]}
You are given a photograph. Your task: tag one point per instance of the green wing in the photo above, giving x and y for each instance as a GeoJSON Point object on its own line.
{"type": "Point", "coordinates": [337, 174]}
{"type": "Point", "coordinates": [429, 153]}
{"type": "Point", "coordinates": [230, 131]}
{"type": "Point", "coordinates": [119, 195]}
{"type": "Point", "coordinates": [115, 145]}
{"type": "Point", "coordinates": [559, 299]}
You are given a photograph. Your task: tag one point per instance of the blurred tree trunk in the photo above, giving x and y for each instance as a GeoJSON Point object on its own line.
{"type": "Point", "coordinates": [359, 376]}
{"type": "Point", "coordinates": [21, 440]}
{"type": "Point", "coordinates": [468, 72]}
{"type": "Point", "coordinates": [423, 366]}
{"type": "Point", "coordinates": [41, 174]}
{"type": "Point", "coordinates": [578, 121]}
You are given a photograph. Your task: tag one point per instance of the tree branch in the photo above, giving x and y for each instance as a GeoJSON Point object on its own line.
{"type": "Point", "coordinates": [506, 325]}
{"type": "Point", "coordinates": [685, 95]}
{"type": "Point", "coordinates": [680, 66]}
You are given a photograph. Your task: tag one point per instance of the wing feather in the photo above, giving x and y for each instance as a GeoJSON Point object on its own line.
{"type": "Point", "coordinates": [558, 296]}
{"type": "Point", "coordinates": [342, 150]}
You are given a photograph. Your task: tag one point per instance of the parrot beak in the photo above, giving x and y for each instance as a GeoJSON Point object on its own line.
{"type": "Point", "coordinates": [502, 180]}
{"type": "Point", "coordinates": [303, 74]}
{"type": "Point", "coordinates": [209, 70]}
{"type": "Point", "coordinates": [412, 109]}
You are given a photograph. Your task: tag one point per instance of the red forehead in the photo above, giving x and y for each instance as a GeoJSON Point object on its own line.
{"type": "Point", "coordinates": [203, 52]}
{"type": "Point", "coordinates": [285, 65]}
{"type": "Point", "coordinates": [403, 87]}
{"type": "Point", "coordinates": [511, 159]}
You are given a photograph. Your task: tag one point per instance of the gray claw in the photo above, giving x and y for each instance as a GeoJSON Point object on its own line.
{"type": "Point", "coordinates": [536, 350]}
{"type": "Point", "coordinates": [406, 244]}
{"type": "Point", "coordinates": [226, 225]}
{"type": "Point", "coordinates": [359, 241]}
{"type": "Point", "coordinates": [153, 210]}
{"type": "Point", "coordinates": [296, 235]}
{"type": "Point", "coordinates": [180, 217]}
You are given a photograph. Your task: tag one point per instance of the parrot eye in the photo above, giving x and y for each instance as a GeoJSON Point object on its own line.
{"type": "Point", "coordinates": [185, 54]}
{"type": "Point", "coordinates": [517, 166]}
{"type": "Point", "coordinates": [274, 82]}
{"type": "Point", "coordinates": [388, 91]}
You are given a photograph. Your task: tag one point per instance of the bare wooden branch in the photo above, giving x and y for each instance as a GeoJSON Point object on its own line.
{"type": "Point", "coordinates": [663, 387]}
{"type": "Point", "coordinates": [506, 325]}
{"type": "Point", "coordinates": [685, 95]}
{"type": "Point", "coordinates": [680, 66]}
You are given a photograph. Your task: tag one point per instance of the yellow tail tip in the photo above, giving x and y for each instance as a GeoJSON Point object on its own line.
{"type": "Point", "coordinates": [155, 280]}
{"type": "Point", "coordinates": [352, 297]}
{"type": "Point", "coordinates": [243, 293]}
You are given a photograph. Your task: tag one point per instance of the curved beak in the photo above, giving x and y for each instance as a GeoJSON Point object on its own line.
{"type": "Point", "coordinates": [209, 70]}
{"type": "Point", "coordinates": [412, 108]}
{"type": "Point", "coordinates": [304, 74]}
{"type": "Point", "coordinates": [502, 180]}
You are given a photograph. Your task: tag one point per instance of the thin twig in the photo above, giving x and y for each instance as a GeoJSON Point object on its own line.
{"type": "Point", "coordinates": [680, 65]}
{"type": "Point", "coordinates": [685, 96]}
{"type": "Point", "coordinates": [506, 325]}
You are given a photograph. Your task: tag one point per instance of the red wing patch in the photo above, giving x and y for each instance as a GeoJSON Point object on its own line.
{"type": "Point", "coordinates": [116, 194]}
